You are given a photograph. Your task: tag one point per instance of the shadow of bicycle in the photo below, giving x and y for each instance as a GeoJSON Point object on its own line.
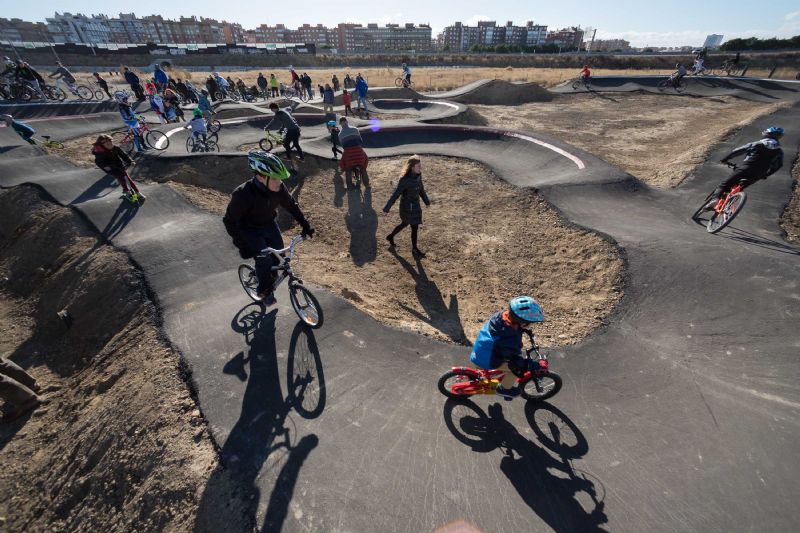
{"type": "Point", "coordinates": [572, 502]}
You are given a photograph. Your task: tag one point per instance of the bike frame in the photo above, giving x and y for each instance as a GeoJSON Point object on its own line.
{"type": "Point", "coordinates": [489, 379]}
{"type": "Point", "coordinates": [724, 200]}
{"type": "Point", "coordinates": [284, 257]}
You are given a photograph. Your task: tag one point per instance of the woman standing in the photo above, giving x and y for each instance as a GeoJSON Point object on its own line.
{"type": "Point", "coordinates": [409, 189]}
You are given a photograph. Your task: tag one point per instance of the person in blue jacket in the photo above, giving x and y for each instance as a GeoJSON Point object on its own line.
{"type": "Point", "coordinates": [361, 92]}
{"type": "Point", "coordinates": [23, 130]}
{"type": "Point", "coordinates": [499, 342]}
{"type": "Point", "coordinates": [161, 78]}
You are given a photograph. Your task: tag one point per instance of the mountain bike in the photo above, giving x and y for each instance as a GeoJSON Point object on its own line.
{"type": "Point", "coordinates": [47, 142]}
{"type": "Point", "coordinates": [194, 144]}
{"type": "Point", "coordinates": [725, 210]}
{"type": "Point", "coordinates": [402, 82]}
{"type": "Point", "coordinates": [153, 138]}
{"type": "Point", "coordinates": [81, 91]}
{"type": "Point", "coordinates": [271, 140]}
{"type": "Point", "coordinates": [679, 84]}
{"type": "Point", "coordinates": [304, 303]}
{"type": "Point", "coordinates": [538, 383]}
{"type": "Point", "coordinates": [581, 83]}
{"type": "Point", "coordinates": [291, 92]}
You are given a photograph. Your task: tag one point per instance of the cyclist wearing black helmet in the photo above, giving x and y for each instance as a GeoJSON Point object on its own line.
{"type": "Point", "coordinates": [499, 342]}
{"type": "Point", "coordinates": [762, 158]}
{"type": "Point", "coordinates": [250, 217]}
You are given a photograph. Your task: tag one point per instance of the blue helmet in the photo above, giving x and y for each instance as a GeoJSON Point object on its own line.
{"type": "Point", "coordinates": [332, 123]}
{"type": "Point", "coordinates": [525, 309]}
{"type": "Point", "coordinates": [776, 132]}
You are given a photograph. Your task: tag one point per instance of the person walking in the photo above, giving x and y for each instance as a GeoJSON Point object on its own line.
{"type": "Point", "coordinates": [133, 81]}
{"type": "Point", "coordinates": [18, 390]}
{"type": "Point", "coordinates": [346, 101]}
{"type": "Point", "coordinates": [361, 91]}
{"type": "Point", "coordinates": [327, 100]}
{"type": "Point", "coordinates": [409, 190]}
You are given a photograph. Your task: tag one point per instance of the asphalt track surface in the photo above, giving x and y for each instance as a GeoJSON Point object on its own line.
{"type": "Point", "coordinates": [682, 414]}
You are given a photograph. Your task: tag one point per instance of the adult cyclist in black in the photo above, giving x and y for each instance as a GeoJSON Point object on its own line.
{"type": "Point", "coordinates": [762, 158]}
{"type": "Point", "coordinates": [250, 217]}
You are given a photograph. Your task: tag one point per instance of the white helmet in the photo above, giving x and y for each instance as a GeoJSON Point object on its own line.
{"type": "Point", "coordinates": [6, 118]}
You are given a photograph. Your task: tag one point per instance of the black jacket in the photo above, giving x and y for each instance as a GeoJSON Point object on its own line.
{"type": "Point", "coordinates": [115, 158]}
{"type": "Point", "coordinates": [763, 157]}
{"type": "Point", "coordinates": [253, 206]}
{"type": "Point", "coordinates": [410, 190]}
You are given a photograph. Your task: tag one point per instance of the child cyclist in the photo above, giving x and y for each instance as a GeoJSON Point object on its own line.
{"type": "Point", "coordinates": [499, 342]}
{"type": "Point", "coordinates": [586, 74]}
{"type": "Point", "coordinates": [114, 160]}
{"type": "Point", "coordinates": [198, 127]}
{"type": "Point", "coordinates": [23, 130]}
{"type": "Point", "coordinates": [336, 145]}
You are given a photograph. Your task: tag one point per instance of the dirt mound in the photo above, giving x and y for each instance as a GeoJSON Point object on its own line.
{"type": "Point", "coordinates": [499, 92]}
{"type": "Point", "coordinates": [120, 444]}
{"type": "Point", "coordinates": [790, 222]}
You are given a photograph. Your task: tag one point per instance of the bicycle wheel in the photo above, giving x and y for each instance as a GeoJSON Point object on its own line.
{"type": "Point", "coordinates": [453, 377]}
{"type": "Point", "coordinates": [575, 85]}
{"type": "Point", "coordinates": [99, 95]}
{"type": "Point", "coordinates": [731, 208]}
{"type": "Point", "coordinates": [398, 82]}
{"type": "Point", "coordinates": [219, 96]}
{"type": "Point", "coordinates": [249, 281]}
{"type": "Point", "coordinates": [212, 146]}
{"type": "Point", "coordinates": [539, 388]}
{"type": "Point", "coordinates": [213, 126]}
{"type": "Point", "coordinates": [234, 96]}
{"type": "Point", "coordinates": [696, 215]}
{"type": "Point", "coordinates": [59, 93]}
{"type": "Point", "coordinates": [662, 85]}
{"type": "Point", "coordinates": [265, 144]}
{"type": "Point", "coordinates": [680, 87]}
{"type": "Point", "coordinates": [84, 93]}
{"type": "Point", "coordinates": [190, 146]}
{"type": "Point", "coordinates": [305, 305]}
{"type": "Point", "coordinates": [156, 139]}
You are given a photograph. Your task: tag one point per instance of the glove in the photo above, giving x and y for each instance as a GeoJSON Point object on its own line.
{"type": "Point", "coordinates": [308, 231]}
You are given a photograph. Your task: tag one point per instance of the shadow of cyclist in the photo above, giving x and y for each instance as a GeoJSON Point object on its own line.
{"type": "Point", "coordinates": [442, 316]}
{"type": "Point", "coordinates": [547, 482]}
{"type": "Point", "coordinates": [361, 221]}
{"type": "Point", "coordinates": [121, 217]}
{"type": "Point", "coordinates": [231, 499]}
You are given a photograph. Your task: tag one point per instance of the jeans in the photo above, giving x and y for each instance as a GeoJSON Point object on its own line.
{"type": "Point", "coordinates": [363, 100]}
{"type": "Point", "coordinates": [257, 240]}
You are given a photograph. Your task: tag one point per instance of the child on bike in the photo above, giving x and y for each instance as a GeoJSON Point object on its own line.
{"type": "Point", "coordinates": [114, 160]}
{"type": "Point", "coordinates": [586, 74]}
{"type": "Point", "coordinates": [132, 121]}
{"type": "Point", "coordinates": [499, 342]}
{"type": "Point", "coordinates": [103, 84]}
{"type": "Point", "coordinates": [23, 130]}
{"type": "Point", "coordinates": [198, 127]}
{"type": "Point", "coordinates": [762, 158]}
{"type": "Point", "coordinates": [336, 144]}
{"type": "Point", "coordinates": [406, 75]}
{"type": "Point", "coordinates": [677, 76]}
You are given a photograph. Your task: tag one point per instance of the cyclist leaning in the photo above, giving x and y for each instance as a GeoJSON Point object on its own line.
{"type": "Point", "coordinates": [28, 75]}
{"type": "Point", "coordinates": [23, 130]}
{"type": "Point", "coordinates": [762, 158]}
{"type": "Point", "coordinates": [204, 105]}
{"type": "Point", "coordinates": [198, 127]}
{"type": "Point", "coordinates": [677, 76]}
{"type": "Point", "coordinates": [499, 343]}
{"type": "Point", "coordinates": [62, 73]}
{"type": "Point", "coordinates": [406, 75]}
{"type": "Point", "coordinates": [250, 217]}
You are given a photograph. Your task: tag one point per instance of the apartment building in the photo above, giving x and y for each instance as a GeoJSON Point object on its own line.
{"type": "Point", "coordinates": [69, 28]}
{"type": "Point", "coordinates": [392, 37]}
{"type": "Point", "coordinates": [569, 38]}
{"type": "Point", "coordinates": [459, 37]}
{"type": "Point", "coordinates": [17, 30]}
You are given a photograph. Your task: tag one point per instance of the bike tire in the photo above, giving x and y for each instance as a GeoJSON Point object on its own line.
{"type": "Point", "coordinates": [310, 311]}
{"type": "Point", "coordinates": [398, 82]}
{"type": "Point", "coordinates": [265, 144]}
{"type": "Point", "coordinates": [550, 382]}
{"type": "Point", "coordinates": [219, 96]}
{"type": "Point", "coordinates": [462, 376]}
{"type": "Point", "coordinates": [157, 140]}
{"type": "Point", "coordinates": [84, 93]}
{"type": "Point", "coordinates": [575, 85]}
{"type": "Point", "coordinates": [190, 148]}
{"type": "Point", "coordinates": [249, 281]}
{"type": "Point", "coordinates": [702, 208]}
{"type": "Point", "coordinates": [59, 94]}
{"type": "Point", "coordinates": [662, 85]}
{"type": "Point", "coordinates": [212, 146]}
{"type": "Point", "coordinates": [213, 126]}
{"type": "Point", "coordinates": [99, 95]}
{"type": "Point", "coordinates": [731, 208]}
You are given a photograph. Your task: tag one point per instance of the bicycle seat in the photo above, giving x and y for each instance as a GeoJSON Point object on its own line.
{"type": "Point", "coordinates": [46, 137]}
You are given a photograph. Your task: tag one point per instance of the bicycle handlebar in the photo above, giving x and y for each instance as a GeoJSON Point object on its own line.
{"type": "Point", "coordinates": [277, 253]}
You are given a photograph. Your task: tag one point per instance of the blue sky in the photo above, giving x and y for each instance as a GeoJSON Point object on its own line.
{"type": "Point", "coordinates": [676, 22]}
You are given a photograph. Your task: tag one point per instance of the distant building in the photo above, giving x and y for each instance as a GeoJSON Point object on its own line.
{"type": "Point", "coordinates": [608, 45]}
{"type": "Point", "coordinates": [459, 38]}
{"type": "Point", "coordinates": [392, 37]}
{"type": "Point", "coordinates": [69, 28]}
{"type": "Point", "coordinates": [568, 38]}
{"type": "Point", "coordinates": [487, 33]}
{"type": "Point", "coordinates": [713, 41]}
{"type": "Point", "coordinates": [17, 30]}
{"type": "Point", "coordinates": [536, 34]}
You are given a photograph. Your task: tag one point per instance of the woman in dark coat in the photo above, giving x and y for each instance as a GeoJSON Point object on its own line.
{"type": "Point", "coordinates": [213, 87]}
{"type": "Point", "coordinates": [410, 190]}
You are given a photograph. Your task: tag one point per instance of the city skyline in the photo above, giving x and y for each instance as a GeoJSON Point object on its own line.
{"type": "Point", "coordinates": [680, 23]}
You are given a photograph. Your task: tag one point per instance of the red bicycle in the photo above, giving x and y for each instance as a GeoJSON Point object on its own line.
{"type": "Point", "coordinates": [153, 138]}
{"type": "Point", "coordinates": [461, 382]}
{"type": "Point", "coordinates": [725, 210]}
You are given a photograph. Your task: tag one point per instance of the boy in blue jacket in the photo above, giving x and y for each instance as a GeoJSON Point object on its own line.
{"type": "Point", "coordinates": [23, 130]}
{"type": "Point", "coordinates": [499, 342]}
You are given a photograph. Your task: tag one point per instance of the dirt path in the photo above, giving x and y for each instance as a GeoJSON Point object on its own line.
{"type": "Point", "coordinates": [120, 444]}
{"type": "Point", "coordinates": [657, 139]}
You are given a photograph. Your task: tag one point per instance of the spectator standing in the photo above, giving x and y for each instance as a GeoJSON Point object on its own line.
{"type": "Point", "coordinates": [262, 84]}
{"type": "Point", "coordinates": [161, 79]}
{"type": "Point", "coordinates": [335, 82]}
{"type": "Point", "coordinates": [361, 90]}
{"type": "Point", "coordinates": [133, 81]}
{"type": "Point", "coordinates": [327, 100]}
{"type": "Point", "coordinates": [346, 101]}
{"type": "Point", "coordinates": [273, 83]}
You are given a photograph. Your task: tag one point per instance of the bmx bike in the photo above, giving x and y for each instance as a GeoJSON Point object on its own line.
{"type": "Point", "coordinates": [679, 84]}
{"type": "Point", "coordinates": [582, 83]}
{"type": "Point", "coordinates": [304, 303]}
{"type": "Point", "coordinates": [538, 383]}
{"type": "Point", "coordinates": [405, 84]}
{"type": "Point", "coordinates": [153, 138]}
{"type": "Point", "coordinates": [270, 140]}
{"type": "Point", "coordinates": [725, 210]}
{"type": "Point", "coordinates": [195, 144]}
{"type": "Point", "coordinates": [47, 142]}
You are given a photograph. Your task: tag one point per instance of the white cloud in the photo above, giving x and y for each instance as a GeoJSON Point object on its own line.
{"type": "Point", "coordinates": [696, 38]}
{"type": "Point", "coordinates": [474, 19]}
{"type": "Point", "coordinates": [791, 16]}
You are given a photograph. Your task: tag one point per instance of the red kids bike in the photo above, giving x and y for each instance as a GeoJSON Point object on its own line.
{"type": "Point", "coordinates": [539, 384]}
{"type": "Point", "coordinates": [725, 210]}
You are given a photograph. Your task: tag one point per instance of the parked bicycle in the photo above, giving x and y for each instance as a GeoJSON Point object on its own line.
{"type": "Point", "coordinates": [539, 383]}
{"type": "Point", "coordinates": [725, 210]}
{"type": "Point", "coordinates": [304, 303]}
{"type": "Point", "coordinates": [154, 138]}
{"type": "Point", "coordinates": [291, 92]}
{"type": "Point", "coordinates": [47, 142]}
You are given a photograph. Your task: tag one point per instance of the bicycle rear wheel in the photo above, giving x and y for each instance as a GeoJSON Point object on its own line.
{"type": "Point", "coordinates": [84, 92]}
{"type": "Point", "coordinates": [539, 388]}
{"type": "Point", "coordinates": [458, 377]}
{"type": "Point", "coordinates": [305, 305]}
{"type": "Point", "coordinates": [190, 146]}
{"type": "Point", "coordinates": [213, 126]}
{"type": "Point", "coordinates": [732, 206]}
{"type": "Point", "coordinates": [662, 85]}
{"type": "Point", "coordinates": [249, 281]}
{"type": "Point", "coordinates": [265, 144]}
{"type": "Point", "coordinates": [156, 139]}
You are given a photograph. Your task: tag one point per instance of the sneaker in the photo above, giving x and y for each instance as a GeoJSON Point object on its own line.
{"type": "Point", "coordinates": [267, 298]}
{"type": "Point", "coordinates": [142, 198]}
{"type": "Point", "coordinates": [507, 394]}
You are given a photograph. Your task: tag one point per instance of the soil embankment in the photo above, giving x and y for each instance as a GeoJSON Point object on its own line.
{"type": "Point", "coordinates": [119, 444]}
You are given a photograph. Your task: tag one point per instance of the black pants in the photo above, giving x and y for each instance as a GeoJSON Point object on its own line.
{"type": "Point", "coordinates": [336, 150]}
{"type": "Point", "coordinates": [274, 92]}
{"type": "Point", "coordinates": [744, 176]}
{"type": "Point", "coordinates": [137, 90]}
{"type": "Point", "coordinates": [292, 140]}
{"type": "Point", "coordinates": [401, 226]}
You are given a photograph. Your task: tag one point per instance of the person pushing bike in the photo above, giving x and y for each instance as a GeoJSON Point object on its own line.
{"type": "Point", "coordinates": [250, 216]}
{"type": "Point", "coordinates": [499, 342]}
{"type": "Point", "coordinates": [406, 75]}
{"type": "Point", "coordinates": [762, 158]}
